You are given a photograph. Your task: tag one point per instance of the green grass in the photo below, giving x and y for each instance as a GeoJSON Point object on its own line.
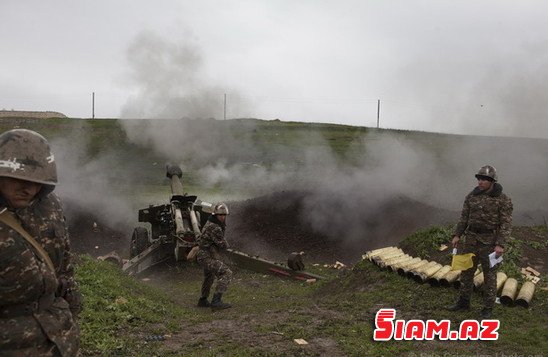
{"type": "Point", "coordinates": [119, 311]}
{"type": "Point", "coordinates": [270, 312]}
{"type": "Point", "coordinates": [513, 251]}
{"type": "Point", "coordinates": [537, 245]}
{"type": "Point", "coordinates": [424, 241]}
{"type": "Point", "coordinates": [412, 300]}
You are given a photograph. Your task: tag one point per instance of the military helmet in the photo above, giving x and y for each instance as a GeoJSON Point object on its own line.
{"type": "Point", "coordinates": [26, 155]}
{"type": "Point", "coordinates": [488, 172]}
{"type": "Point", "coordinates": [220, 208]}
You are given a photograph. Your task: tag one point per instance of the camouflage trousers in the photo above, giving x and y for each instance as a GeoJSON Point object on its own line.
{"type": "Point", "coordinates": [214, 268]}
{"type": "Point", "coordinates": [481, 251]}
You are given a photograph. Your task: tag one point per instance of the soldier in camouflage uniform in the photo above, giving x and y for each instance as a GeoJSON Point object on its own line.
{"type": "Point", "coordinates": [211, 242]}
{"type": "Point", "coordinates": [38, 297]}
{"type": "Point", "coordinates": [485, 224]}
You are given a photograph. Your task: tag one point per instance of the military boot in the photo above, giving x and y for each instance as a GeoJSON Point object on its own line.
{"type": "Point", "coordinates": [217, 303]}
{"type": "Point", "coordinates": [461, 304]}
{"type": "Point", "coordinates": [486, 313]}
{"type": "Point", "coordinates": [203, 302]}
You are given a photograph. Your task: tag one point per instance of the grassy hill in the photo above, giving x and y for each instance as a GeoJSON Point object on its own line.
{"type": "Point", "coordinates": [135, 317]}
{"type": "Point", "coordinates": [157, 315]}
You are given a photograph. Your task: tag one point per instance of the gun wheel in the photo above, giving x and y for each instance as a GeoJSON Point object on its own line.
{"type": "Point", "coordinates": [139, 241]}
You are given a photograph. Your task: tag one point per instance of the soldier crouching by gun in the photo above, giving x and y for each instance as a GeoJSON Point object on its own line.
{"type": "Point", "coordinates": [211, 241]}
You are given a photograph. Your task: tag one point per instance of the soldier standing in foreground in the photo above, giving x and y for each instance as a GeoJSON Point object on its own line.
{"type": "Point", "coordinates": [38, 297]}
{"type": "Point", "coordinates": [485, 224]}
{"type": "Point", "coordinates": [211, 241]}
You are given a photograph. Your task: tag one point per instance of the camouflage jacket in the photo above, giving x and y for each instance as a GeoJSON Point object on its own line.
{"type": "Point", "coordinates": [32, 313]}
{"type": "Point", "coordinates": [486, 216]}
{"type": "Point", "coordinates": [212, 238]}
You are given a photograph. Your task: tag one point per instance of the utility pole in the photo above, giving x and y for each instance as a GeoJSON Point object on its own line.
{"type": "Point", "coordinates": [378, 111]}
{"type": "Point", "coordinates": [93, 105]}
{"type": "Point", "coordinates": [224, 116]}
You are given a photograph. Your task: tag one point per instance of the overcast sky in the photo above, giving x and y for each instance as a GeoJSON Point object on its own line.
{"type": "Point", "coordinates": [472, 67]}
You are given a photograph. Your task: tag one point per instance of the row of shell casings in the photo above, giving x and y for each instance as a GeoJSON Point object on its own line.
{"type": "Point", "coordinates": [422, 270]}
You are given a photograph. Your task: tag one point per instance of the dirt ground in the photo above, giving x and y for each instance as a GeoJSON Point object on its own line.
{"type": "Point", "coordinates": [533, 257]}
{"type": "Point", "coordinates": [258, 329]}
{"type": "Point", "coordinates": [90, 235]}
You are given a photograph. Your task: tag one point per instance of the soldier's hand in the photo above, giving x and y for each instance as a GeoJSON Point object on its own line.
{"type": "Point", "coordinates": [455, 241]}
{"type": "Point", "coordinates": [498, 250]}
{"type": "Point", "coordinates": [62, 287]}
{"type": "Point", "coordinates": [75, 301]}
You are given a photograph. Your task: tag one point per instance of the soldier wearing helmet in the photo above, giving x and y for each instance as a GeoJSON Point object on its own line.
{"type": "Point", "coordinates": [211, 242]}
{"type": "Point", "coordinates": [485, 225]}
{"type": "Point", "coordinates": [38, 297]}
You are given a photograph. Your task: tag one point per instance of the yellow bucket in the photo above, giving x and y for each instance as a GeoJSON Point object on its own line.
{"type": "Point", "coordinates": [462, 261]}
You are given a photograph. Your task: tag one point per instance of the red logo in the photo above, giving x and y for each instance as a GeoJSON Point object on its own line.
{"type": "Point", "coordinates": [387, 328]}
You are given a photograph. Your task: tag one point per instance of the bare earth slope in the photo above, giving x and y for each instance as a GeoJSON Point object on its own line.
{"type": "Point", "coordinates": [275, 225]}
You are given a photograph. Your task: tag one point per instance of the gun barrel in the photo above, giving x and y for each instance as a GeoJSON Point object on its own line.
{"type": "Point", "coordinates": [179, 224]}
{"type": "Point", "coordinates": [175, 174]}
{"type": "Point", "coordinates": [177, 186]}
{"type": "Point", "coordinates": [194, 221]}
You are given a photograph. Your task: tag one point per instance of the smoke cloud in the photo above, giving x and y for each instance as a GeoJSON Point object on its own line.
{"type": "Point", "coordinates": [349, 200]}
{"type": "Point", "coordinates": [398, 168]}
{"type": "Point", "coordinates": [169, 82]}
{"type": "Point", "coordinates": [92, 186]}
{"type": "Point", "coordinates": [398, 179]}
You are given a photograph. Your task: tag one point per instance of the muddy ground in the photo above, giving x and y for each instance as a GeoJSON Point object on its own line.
{"type": "Point", "coordinates": [249, 323]}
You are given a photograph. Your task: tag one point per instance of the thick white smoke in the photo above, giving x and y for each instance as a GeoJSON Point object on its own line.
{"type": "Point", "coordinates": [168, 81]}
{"type": "Point", "coordinates": [92, 187]}
{"type": "Point", "coordinates": [231, 156]}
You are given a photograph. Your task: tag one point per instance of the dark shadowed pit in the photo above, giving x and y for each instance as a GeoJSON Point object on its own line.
{"type": "Point", "coordinates": [275, 225]}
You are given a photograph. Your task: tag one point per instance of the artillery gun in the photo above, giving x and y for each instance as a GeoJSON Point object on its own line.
{"type": "Point", "coordinates": [174, 228]}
